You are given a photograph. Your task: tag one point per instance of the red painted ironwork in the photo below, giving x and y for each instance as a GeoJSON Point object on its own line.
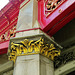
{"type": "Point", "coordinates": [8, 21]}
{"type": "Point", "coordinates": [52, 5]}
{"type": "Point", "coordinates": [8, 34]}
{"type": "Point", "coordinates": [3, 51]}
{"type": "Point", "coordinates": [4, 47]}
{"type": "Point", "coordinates": [49, 22]}
{"type": "Point", "coordinates": [63, 22]}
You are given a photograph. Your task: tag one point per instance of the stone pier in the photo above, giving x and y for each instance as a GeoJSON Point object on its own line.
{"type": "Point", "coordinates": [32, 51]}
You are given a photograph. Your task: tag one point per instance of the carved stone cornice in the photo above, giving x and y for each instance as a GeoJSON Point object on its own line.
{"type": "Point", "coordinates": [29, 47]}
{"type": "Point", "coordinates": [66, 56]}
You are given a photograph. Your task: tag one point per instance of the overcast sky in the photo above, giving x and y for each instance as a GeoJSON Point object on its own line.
{"type": "Point", "coordinates": [3, 3]}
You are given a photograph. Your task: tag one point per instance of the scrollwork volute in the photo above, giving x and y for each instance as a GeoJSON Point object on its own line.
{"type": "Point", "coordinates": [27, 47]}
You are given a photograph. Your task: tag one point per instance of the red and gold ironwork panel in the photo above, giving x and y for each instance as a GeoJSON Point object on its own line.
{"type": "Point", "coordinates": [8, 34]}
{"type": "Point", "coordinates": [8, 21]}
{"type": "Point", "coordinates": [51, 5]}
{"type": "Point", "coordinates": [52, 12]}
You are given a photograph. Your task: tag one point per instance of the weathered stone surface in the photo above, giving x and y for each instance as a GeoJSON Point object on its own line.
{"type": "Point", "coordinates": [8, 73]}
{"type": "Point", "coordinates": [29, 33]}
{"type": "Point", "coordinates": [65, 69]}
{"type": "Point", "coordinates": [6, 66]}
{"type": "Point", "coordinates": [28, 15]}
{"type": "Point", "coordinates": [46, 66]}
{"type": "Point", "coordinates": [33, 65]}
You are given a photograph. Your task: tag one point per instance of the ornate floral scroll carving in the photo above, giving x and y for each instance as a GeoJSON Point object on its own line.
{"type": "Point", "coordinates": [64, 58]}
{"type": "Point", "coordinates": [27, 47]}
{"type": "Point", "coordinates": [51, 5]}
{"type": "Point", "coordinates": [8, 34]}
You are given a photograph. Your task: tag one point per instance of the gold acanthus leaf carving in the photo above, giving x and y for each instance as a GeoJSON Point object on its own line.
{"type": "Point", "coordinates": [27, 47]}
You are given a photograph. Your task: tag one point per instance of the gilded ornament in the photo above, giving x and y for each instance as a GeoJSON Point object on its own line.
{"type": "Point", "coordinates": [27, 47]}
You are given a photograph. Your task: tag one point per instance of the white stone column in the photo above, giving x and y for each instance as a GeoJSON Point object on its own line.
{"type": "Point", "coordinates": [33, 65]}
{"type": "Point", "coordinates": [28, 15]}
{"type": "Point", "coordinates": [31, 50]}
{"type": "Point", "coordinates": [28, 19]}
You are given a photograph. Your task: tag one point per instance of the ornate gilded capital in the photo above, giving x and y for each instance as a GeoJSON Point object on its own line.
{"type": "Point", "coordinates": [27, 47]}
